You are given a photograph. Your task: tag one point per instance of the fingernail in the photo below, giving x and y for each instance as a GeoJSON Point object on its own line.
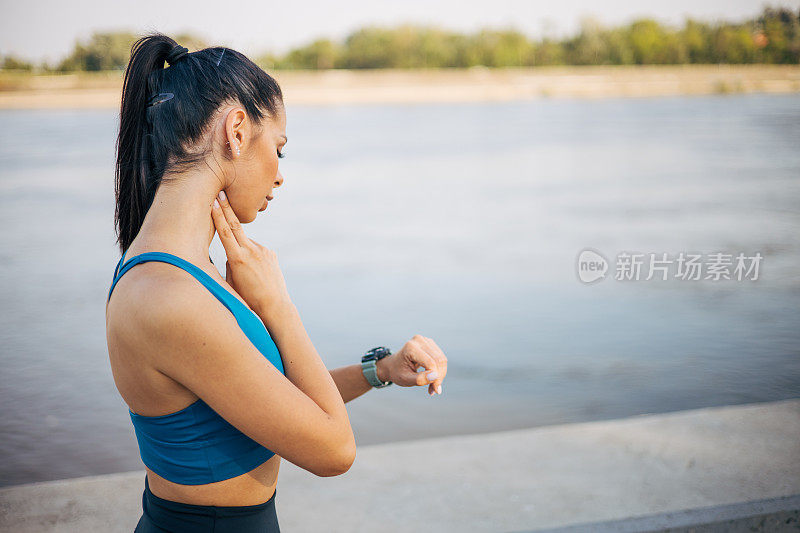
{"type": "Point", "coordinates": [216, 203]}
{"type": "Point", "coordinates": [439, 389]}
{"type": "Point", "coordinates": [432, 375]}
{"type": "Point", "coordinates": [222, 195]}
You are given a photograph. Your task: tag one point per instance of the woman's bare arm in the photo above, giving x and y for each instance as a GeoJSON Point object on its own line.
{"type": "Point", "coordinates": [302, 363]}
{"type": "Point", "coordinates": [189, 336]}
{"type": "Point", "coordinates": [253, 271]}
{"type": "Point", "coordinates": [351, 382]}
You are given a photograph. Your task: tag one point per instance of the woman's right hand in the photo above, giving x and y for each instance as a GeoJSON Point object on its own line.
{"type": "Point", "coordinates": [252, 269]}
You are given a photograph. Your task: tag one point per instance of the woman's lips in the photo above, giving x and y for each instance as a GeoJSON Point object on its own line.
{"type": "Point", "coordinates": [266, 201]}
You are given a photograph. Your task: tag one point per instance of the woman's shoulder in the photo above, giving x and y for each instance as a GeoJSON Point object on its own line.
{"type": "Point", "coordinates": [151, 279]}
{"type": "Point", "coordinates": [151, 293]}
{"type": "Point", "coordinates": [142, 324]}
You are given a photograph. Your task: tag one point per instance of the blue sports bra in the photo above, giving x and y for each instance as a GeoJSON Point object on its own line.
{"type": "Point", "coordinates": [195, 445]}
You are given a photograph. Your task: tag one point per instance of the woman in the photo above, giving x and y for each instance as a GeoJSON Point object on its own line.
{"type": "Point", "coordinates": [220, 376]}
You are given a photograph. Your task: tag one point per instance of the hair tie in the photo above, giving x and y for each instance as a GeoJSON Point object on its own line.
{"type": "Point", "coordinates": [159, 98]}
{"type": "Point", "coordinates": [177, 53]}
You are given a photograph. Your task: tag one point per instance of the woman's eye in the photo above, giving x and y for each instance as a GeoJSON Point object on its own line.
{"type": "Point", "coordinates": [280, 154]}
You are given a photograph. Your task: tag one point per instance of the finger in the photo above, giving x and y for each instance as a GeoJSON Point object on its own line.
{"type": "Point", "coordinates": [229, 242]}
{"type": "Point", "coordinates": [233, 221]}
{"type": "Point", "coordinates": [441, 363]}
{"type": "Point", "coordinates": [420, 357]}
{"type": "Point", "coordinates": [228, 273]}
{"type": "Point", "coordinates": [438, 354]}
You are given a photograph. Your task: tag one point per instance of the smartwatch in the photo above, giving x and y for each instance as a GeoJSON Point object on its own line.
{"type": "Point", "coordinates": [368, 366]}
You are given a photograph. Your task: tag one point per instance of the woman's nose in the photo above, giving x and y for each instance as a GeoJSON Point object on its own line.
{"type": "Point", "coordinates": [279, 179]}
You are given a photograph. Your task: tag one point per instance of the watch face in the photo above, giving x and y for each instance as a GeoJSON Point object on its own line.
{"type": "Point", "coordinates": [376, 353]}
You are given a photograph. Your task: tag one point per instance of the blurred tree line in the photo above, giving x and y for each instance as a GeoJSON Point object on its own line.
{"type": "Point", "coordinates": [104, 51]}
{"type": "Point", "coordinates": [771, 37]}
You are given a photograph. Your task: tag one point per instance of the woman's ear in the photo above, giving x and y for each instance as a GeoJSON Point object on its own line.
{"type": "Point", "coordinates": [235, 125]}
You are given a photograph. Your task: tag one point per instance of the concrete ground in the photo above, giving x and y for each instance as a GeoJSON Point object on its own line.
{"type": "Point", "coordinates": [674, 471]}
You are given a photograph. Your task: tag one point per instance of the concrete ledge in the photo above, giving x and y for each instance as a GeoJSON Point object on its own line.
{"type": "Point", "coordinates": [651, 471]}
{"type": "Point", "coordinates": [774, 515]}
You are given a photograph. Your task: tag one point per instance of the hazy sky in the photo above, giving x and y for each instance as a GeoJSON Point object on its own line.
{"type": "Point", "coordinates": [41, 29]}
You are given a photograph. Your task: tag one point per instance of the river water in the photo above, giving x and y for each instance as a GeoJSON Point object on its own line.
{"type": "Point", "coordinates": [461, 222]}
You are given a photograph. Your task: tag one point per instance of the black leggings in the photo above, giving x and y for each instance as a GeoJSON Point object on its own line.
{"type": "Point", "coordinates": [162, 516]}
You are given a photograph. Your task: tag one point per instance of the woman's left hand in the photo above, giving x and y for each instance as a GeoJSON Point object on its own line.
{"type": "Point", "coordinates": [401, 367]}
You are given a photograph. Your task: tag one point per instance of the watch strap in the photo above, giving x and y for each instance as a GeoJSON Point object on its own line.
{"type": "Point", "coordinates": [370, 369]}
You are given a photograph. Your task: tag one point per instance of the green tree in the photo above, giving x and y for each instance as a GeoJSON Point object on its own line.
{"type": "Point", "coordinates": [111, 51]}
{"type": "Point", "coordinates": [104, 51]}
{"type": "Point", "coordinates": [367, 48]}
{"type": "Point", "coordinates": [10, 62]}
{"type": "Point", "coordinates": [696, 37]}
{"type": "Point", "coordinates": [590, 46]}
{"type": "Point", "coordinates": [321, 54]}
{"type": "Point", "coordinates": [549, 52]}
{"type": "Point", "coordinates": [503, 48]}
{"type": "Point", "coordinates": [780, 27]}
{"type": "Point", "coordinates": [648, 41]}
{"type": "Point", "coordinates": [733, 45]}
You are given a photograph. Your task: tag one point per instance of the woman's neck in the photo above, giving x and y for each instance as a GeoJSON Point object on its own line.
{"type": "Point", "coordinates": [179, 219]}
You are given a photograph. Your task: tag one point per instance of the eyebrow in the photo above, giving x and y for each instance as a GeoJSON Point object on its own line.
{"type": "Point", "coordinates": [285, 139]}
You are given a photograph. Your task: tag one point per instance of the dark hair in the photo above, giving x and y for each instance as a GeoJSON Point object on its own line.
{"type": "Point", "coordinates": [159, 138]}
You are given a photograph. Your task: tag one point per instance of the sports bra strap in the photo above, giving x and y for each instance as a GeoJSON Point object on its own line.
{"type": "Point", "coordinates": [227, 299]}
{"type": "Point", "coordinates": [122, 259]}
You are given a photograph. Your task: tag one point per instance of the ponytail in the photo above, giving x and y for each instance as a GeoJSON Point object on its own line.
{"type": "Point", "coordinates": [159, 133]}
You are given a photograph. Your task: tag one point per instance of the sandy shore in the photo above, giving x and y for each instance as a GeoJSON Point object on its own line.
{"type": "Point", "coordinates": [102, 90]}
{"type": "Point", "coordinates": [734, 468]}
